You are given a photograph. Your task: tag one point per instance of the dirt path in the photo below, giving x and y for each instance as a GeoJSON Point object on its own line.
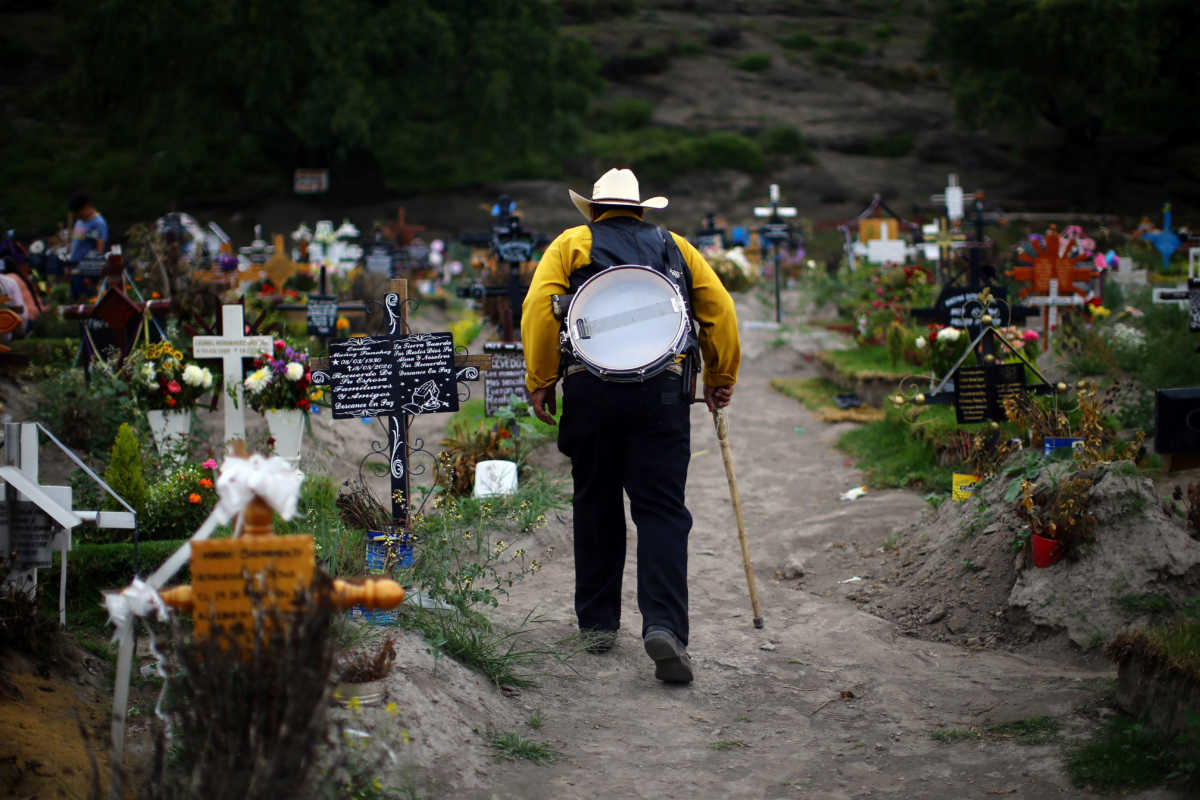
{"type": "Point", "coordinates": [826, 701]}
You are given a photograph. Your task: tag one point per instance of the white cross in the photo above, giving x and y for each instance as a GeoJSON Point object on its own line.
{"type": "Point", "coordinates": [231, 349]}
{"type": "Point", "coordinates": [953, 197]}
{"type": "Point", "coordinates": [1051, 302]}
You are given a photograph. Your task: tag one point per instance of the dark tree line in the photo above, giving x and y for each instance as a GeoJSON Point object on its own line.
{"type": "Point", "coordinates": [423, 92]}
{"type": "Point", "coordinates": [1093, 69]}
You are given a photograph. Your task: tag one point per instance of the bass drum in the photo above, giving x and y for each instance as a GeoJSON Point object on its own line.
{"type": "Point", "coordinates": [627, 323]}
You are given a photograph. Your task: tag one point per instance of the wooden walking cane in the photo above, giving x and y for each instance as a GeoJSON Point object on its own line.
{"type": "Point", "coordinates": [727, 457]}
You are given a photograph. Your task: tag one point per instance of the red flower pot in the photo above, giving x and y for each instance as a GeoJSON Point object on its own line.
{"type": "Point", "coordinates": [1045, 551]}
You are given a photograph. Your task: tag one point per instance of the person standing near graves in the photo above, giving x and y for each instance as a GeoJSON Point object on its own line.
{"type": "Point", "coordinates": [88, 234]}
{"type": "Point", "coordinates": [634, 437]}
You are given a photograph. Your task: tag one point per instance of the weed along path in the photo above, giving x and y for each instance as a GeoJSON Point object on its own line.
{"type": "Point", "coordinates": [826, 701]}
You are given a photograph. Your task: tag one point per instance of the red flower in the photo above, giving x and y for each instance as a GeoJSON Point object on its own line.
{"type": "Point", "coordinates": [303, 403]}
{"type": "Point", "coordinates": [270, 441]}
{"type": "Point", "coordinates": [1094, 301]}
{"type": "Point", "coordinates": [267, 289]}
{"type": "Point", "coordinates": [170, 401]}
{"type": "Point", "coordinates": [174, 388]}
{"type": "Point", "coordinates": [194, 499]}
{"type": "Point", "coordinates": [280, 345]}
{"type": "Point", "coordinates": [505, 433]}
{"type": "Point", "coordinates": [258, 363]}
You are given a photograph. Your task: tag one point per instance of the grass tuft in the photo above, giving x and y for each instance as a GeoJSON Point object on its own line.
{"type": "Point", "coordinates": [1125, 755]}
{"type": "Point", "coordinates": [728, 744]}
{"type": "Point", "coordinates": [512, 746]}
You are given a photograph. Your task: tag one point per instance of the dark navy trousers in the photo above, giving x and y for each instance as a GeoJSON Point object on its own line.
{"type": "Point", "coordinates": [636, 438]}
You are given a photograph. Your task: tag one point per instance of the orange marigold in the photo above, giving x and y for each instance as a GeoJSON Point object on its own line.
{"type": "Point", "coordinates": [194, 499]}
{"type": "Point", "coordinates": [206, 483]}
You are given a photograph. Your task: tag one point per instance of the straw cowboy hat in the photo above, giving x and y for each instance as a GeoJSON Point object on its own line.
{"type": "Point", "coordinates": [617, 187]}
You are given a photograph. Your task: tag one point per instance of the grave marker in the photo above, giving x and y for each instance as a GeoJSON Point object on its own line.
{"type": "Point", "coordinates": [394, 375]}
{"type": "Point", "coordinates": [321, 314]}
{"type": "Point", "coordinates": [506, 376]}
{"type": "Point", "coordinates": [775, 231]}
{"type": "Point", "coordinates": [231, 347]}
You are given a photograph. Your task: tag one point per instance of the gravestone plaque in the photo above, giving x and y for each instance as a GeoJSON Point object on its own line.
{"type": "Point", "coordinates": [1004, 380]}
{"type": "Point", "coordinates": [362, 377]}
{"type": "Point", "coordinates": [386, 375]}
{"type": "Point", "coordinates": [92, 265]}
{"type": "Point", "coordinates": [980, 391]}
{"type": "Point", "coordinates": [322, 313]}
{"type": "Point", "coordinates": [971, 395]}
{"type": "Point", "coordinates": [277, 566]}
{"type": "Point", "coordinates": [948, 309]}
{"type": "Point", "coordinates": [29, 534]}
{"type": "Point", "coordinates": [425, 380]}
{"type": "Point", "coordinates": [379, 258]}
{"type": "Point", "coordinates": [506, 377]}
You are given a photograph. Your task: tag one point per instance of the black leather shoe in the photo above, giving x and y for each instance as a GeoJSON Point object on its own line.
{"type": "Point", "coordinates": [671, 661]}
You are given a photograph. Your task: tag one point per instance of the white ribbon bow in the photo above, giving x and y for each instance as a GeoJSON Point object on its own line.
{"type": "Point", "coordinates": [272, 479]}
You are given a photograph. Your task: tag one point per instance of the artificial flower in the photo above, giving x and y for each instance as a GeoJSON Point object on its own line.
{"type": "Point", "coordinates": [206, 483]}
{"type": "Point", "coordinates": [173, 387]}
{"type": "Point", "coordinates": [195, 375]}
{"type": "Point", "coordinates": [194, 499]}
{"type": "Point", "coordinates": [294, 371]}
{"type": "Point", "coordinates": [210, 464]}
{"type": "Point", "coordinates": [343, 324]}
{"type": "Point", "coordinates": [258, 380]}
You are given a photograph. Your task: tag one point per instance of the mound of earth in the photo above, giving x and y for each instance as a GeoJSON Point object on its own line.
{"type": "Point", "coordinates": [955, 576]}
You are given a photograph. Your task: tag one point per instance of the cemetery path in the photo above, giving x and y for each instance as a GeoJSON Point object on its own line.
{"type": "Point", "coordinates": [826, 701]}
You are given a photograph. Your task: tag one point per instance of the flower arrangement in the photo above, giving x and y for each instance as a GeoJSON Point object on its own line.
{"type": "Point", "coordinates": [734, 269]}
{"type": "Point", "coordinates": [1023, 340]}
{"type": "Point", "coordinates": [281, 380]}
{"type": "Point", "coordinates": [1057, 508]}
{"type": "Point", "coordinates": [178, 503]}
{"type": "Point", "coordinates": [161, 381]}
{"type": "Point", "coordinates": [942, 347]}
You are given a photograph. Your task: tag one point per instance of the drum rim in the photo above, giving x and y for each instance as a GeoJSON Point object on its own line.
{"type": "Point", "coordinates": [654, 365]}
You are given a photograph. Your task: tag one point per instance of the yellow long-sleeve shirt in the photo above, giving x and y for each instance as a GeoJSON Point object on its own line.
{"type": "Point", "coordinates": [713, 309]}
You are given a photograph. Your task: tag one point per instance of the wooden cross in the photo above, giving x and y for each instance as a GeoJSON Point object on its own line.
{"type": "Point", "coordinates": [279, 267]}
{"type": "Point", "coordinates": [367, 381]}
{"type": "Point", "coordinates": [1051, 303]}
{"type": "Point", "coordinates": [114, 311]}
{"type": "Point", "coordinates": [400, 231]}
{"type": "Point", "coordinates": [1049, 265]}
{"type": "Point", "coordinates": [231, 348]}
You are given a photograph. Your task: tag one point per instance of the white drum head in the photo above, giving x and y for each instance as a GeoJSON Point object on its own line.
{"type": "Point", "coordinates": [625, 319]}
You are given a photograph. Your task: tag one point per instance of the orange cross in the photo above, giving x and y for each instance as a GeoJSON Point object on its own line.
{"type": "Point", "coordinates": [1048, 265]}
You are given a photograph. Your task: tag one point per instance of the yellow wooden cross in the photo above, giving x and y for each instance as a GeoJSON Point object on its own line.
{"type": "Point", "coordinates": [231, 576]}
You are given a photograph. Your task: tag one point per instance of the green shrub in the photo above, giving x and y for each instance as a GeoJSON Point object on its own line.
{"type": "Point", "coordinates": [845, 47]}
{"type": "Point", "coordinates": [124, 473]}
{"type": "Point", "coordinates": [179, 503]}
{"type": "Point", "coordinates": [754, 62]}
{"type": "Point", "coordinates": [624, 113]}
{"type": "Point", "coordinates": [786, 140]}
{"type": "Point", "coordinates": [94, 568]}
{"type": "Point", "coordinates": [641, 62]}
{"type": "Point", "coordinates": [799, 41]}
{"type": "Point", "coordinates": [883, 31]}
{"type": "Point", "coordinates": [83, 414]}
{"type": "Point", "coordinates": [721, 150]}
{"type": "Point", "coordinates": [895, 146]}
